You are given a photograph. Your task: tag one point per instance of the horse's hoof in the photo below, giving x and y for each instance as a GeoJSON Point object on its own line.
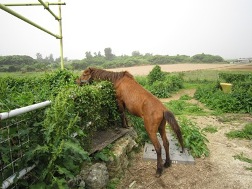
{"type": "Point", "coordinates": [167, 164]}
{"type": "Point", "coordinates": [159, 172]}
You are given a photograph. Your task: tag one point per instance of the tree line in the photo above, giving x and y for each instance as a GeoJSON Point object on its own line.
{"type": "Point", "coordinates": [108, 60]}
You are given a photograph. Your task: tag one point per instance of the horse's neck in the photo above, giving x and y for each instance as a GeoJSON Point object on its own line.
{"type": "Point", "coordinates": [99, 78]}
{"type": "Point", "coordinates": [103, 77]}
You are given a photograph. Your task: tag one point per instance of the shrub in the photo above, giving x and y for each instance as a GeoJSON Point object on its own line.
{"type": "Point", "coordinates": [61, 136]}
{"type": "Point", "coordinates": [155, 75]}
{"type": "Point", "coordinates": [235, 77]}
{"type": "Point", "coordinates": [239, 100]}
{"type": "Point", "coordinates": [162, 84]}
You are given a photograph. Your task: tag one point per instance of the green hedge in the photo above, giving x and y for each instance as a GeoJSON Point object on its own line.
{"type": "Point", "coordinates": [75, 111]}
{"type": "Point", "coordinates": [238, 101]}
{"type": "Point", "coordinates": [236, 78]}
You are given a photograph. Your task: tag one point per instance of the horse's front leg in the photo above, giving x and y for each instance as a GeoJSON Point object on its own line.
{"type": "Point", "coordinates": [122, 114]}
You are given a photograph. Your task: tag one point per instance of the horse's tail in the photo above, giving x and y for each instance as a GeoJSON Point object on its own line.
{"type": "Point", "coordinates": [170, 118]}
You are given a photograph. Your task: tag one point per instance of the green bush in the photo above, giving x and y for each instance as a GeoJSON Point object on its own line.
{"type": "Point", "coordinates": [65, 128]}
{"type": "Point", "coordinates": [16, 92]}
{"type": "Point", "coordinates": [155, 75]}
{"type": "Point", "coordinates": [162, 84]}
{"type": "Point", "coordinates": [238, 101]}
{"type": "Point", "coordinates": [235, 77]}
{"type": "Point", "coordinates": [70, 122]}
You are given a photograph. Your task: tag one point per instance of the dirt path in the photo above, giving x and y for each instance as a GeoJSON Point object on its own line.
{"type": "Point", "coordinates": [218, 171]}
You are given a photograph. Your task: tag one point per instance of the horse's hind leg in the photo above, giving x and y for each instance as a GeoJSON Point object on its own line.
{"type": "Point", "coordinates": [162, 132]}
{"type": "Point", "coordinates": [157, 146]}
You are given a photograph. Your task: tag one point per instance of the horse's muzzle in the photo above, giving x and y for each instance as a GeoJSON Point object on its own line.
{"type": "Point", "coordinates": [82, 82]}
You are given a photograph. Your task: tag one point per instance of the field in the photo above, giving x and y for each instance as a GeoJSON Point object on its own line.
{"type": "Point", "coordinates": [221, 169]}
{"type": "Point", "coordinates": [144, 70]}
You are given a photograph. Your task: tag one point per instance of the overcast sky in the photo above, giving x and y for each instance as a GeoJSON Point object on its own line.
{"type": "Point", "coordinates": [166, 27]}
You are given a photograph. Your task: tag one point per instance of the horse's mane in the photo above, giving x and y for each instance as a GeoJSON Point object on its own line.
{"type": "Point", "coordinates": [108, 75]}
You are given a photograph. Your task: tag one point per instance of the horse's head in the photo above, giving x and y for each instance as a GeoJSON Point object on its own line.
{"type": "Point", "coordinates": [85, 77]}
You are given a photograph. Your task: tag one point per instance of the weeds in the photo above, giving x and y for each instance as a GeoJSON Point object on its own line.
{"type": "Point", "coordinates": [245, 133]}
{"type": "Point", "coordinates": [181, 107]}
{"type": "Point", "coordinates": [194, 138]}
{"type": "Point", "coordinates": [210, 129]}
{"type": "Point", "coordinates": [242, 158]}
{"type": "Point", "coordinates": [104, 154]}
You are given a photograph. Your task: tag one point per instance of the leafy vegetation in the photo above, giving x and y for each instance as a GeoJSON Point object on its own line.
{"type": "Point", "coordinates": [181, 107]}
{"type": "Point", "coordinates": [243, 158]}
{"type": "Point", "coordinates": [161, 84]}
{"type": "Point", "coordinates": [194, 138]}
{"type": "Point", "coordinates": [210, 129]}
{"type": "Point", "coordinates": [245, 133]}
{"type": "Point", "coordinates": [238, 101]}
{"type": "Point", "coordinates": [65, 128]}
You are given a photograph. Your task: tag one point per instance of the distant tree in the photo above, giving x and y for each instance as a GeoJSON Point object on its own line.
{"type": "Point", "coordinates": [88, 55]}
{"type": "Point", "coordinates": [16, 60]}
{"type": "Point", "coordinates": [65, 59]}
{"type": "Point", "coordinates": [13, 69]}
{"type": "Point", "coordinates": [135, 53]}
{"type": "Point", "coordinates": [148, 54]}
{"type": "Point", "coordinates": [99, 54]}
{"type": "Point", "coordinates": [39, 56]}
{"type": "Point", "coordinates": [206, 58]}
{"type": "Point", "coordinates": [51, 59]}
{"type": "Point", "coordinates": [108, 53]}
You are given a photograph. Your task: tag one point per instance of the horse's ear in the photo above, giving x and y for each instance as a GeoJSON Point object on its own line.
{"type": "Point", "coordinates": [90, 69]}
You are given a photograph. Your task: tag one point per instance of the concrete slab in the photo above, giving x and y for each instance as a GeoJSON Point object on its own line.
{"type": "Point", "coordinates": [103, 138]}
{"type": "Point", "coordinates": [175, 151]}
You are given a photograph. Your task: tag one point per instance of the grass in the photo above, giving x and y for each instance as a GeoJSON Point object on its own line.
{"type": "Point", "coordinates": [245, 133]}
{"type": "Point", "coordinates": [21, 74]}
{"type": "Point", "coordinates": [200, 76]}
{"type": "Point", "coordinates": [210, 129]}
{"type": "Point", "coordinates": [182, 107]}
{"type": "Point", "coordinates": [243, 158]}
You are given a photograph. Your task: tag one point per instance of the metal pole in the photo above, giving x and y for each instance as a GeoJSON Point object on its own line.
{"type": "Point", "coordinates": [9, 181]}
{"type": "Point", "coordinates": [23, 110]}
{"type": "Point", "coordinates": [31, 4]}
{"type": "Point", "coordinates": [46, 6]}
{"type": "Point", "coordinates": [61, 39]}
{"type": "Point", "coordinates": [27, 20]}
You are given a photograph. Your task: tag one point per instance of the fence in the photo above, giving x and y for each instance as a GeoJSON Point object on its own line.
{"type": "Point", "coordinates": [14, 142]}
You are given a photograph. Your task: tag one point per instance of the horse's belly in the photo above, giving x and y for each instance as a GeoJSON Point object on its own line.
{"type": "Point", "coordinates": [134, 107]}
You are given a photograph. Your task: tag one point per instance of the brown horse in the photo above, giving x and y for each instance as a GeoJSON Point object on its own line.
{"type": "Point", "coordinates": [138, 101]}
